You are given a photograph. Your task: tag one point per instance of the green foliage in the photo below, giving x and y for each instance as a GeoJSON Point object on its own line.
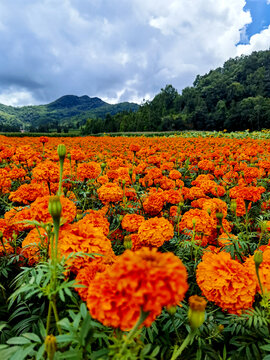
{"type": "Point", "coordinates": [235, 97]}
{"type": "Point", "coordinates": [63, 114]}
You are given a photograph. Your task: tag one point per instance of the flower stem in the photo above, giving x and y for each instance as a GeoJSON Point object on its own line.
{"type": "Point", "coordinates": [178, 350]}
{"type": "Point", "coordinates": [143, 316]}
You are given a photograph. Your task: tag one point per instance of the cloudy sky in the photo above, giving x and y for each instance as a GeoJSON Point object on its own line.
{"type": "Point", "coordinates": [120, 50]}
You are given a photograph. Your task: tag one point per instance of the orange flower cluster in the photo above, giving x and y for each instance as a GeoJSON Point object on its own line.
{"type": "Point", "coordinates": [202, 222]}
{"type": "Point", "coordinates": [153, 204]}
{"type": "Point", "coordinates": [28, 193]}
{"type": "Point", "coordinates": [145, 280]}
{"type": "Point", "coordinates": [34, 244]}
{"type": "Point", "coordinates": [5, 181]}
{"type": "Point", "coordinates": [40, 212]}
{"type": "Point", "coordinates": [132, 222]}
{"type": "Point", "coordinates": [46, 171]}
{"type": "Point", "coordinates": [89, 170]}
{"type": "Point", "coordinates": [110, 192]}
{"type": "Point", "coordinates": [226, 282]}
{"type": "Point", "coordinates": [83, 237]}
{"type": "Point", "coordinates": [249, 193]}
{"type": "Point", "coordinates": [155, 231]}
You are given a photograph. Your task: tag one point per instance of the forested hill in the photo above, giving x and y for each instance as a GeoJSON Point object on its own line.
{"type": "Point", "coordinates": [233, 97]}
{"type": "Point", "coordinates": [69, 111]}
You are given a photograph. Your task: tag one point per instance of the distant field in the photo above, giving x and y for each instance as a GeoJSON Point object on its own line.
{"type": "Point", "coordinates": [99, 235]}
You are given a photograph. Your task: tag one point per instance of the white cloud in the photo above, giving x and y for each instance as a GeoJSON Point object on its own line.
{"type": "Point", "coordinates": [257, 42]}
{"type": "Point", "coordinates": [16, 98]}
{"type": "Point", "coordinates": [118, 50]}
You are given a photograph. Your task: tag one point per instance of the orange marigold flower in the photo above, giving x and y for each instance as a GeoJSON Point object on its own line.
{"type": "Point", "coordinates": [15, 216]}
{"type": "Point", "coordinates": [153, 204]}
{"type": "Point", "coordinates": [110, 192]}
{"type": "Point", "coordinates": [5, 181]}
{"type": "Point", "coordinates": [77, 155]}
{"type": "Point", "coordinates": [134, 147]}
{"type": "Point", "coordinates": [165, 183]}
{"type": "Point", "coordinates": [86, 274]}
{"type": "Point", "coordinates": [145, 279]}
{"type": "Point", "coordinates": [17, 173]}
{"type": "Point", "coordinates": [214, 206]}
{"type": "Point", "coordinates": [32, 246]}
{"type": "Point", "coordinates": [175, 174]}
{"type": "Point", "coordinates": [226, 282]}
{"type": "Point", "coordinates": [206, 165]}
{"type": "Point", "coordinates": [89, 170]}
{"type": "Point", "coordinates": [43, 139]}
{"type": "Point", "coordinates": [97, 218]}
{"type": "Point", "coordinates": [132, 222]}
{"type": "Point", "coordinates": [46, 171]}
{"type": "Point", "coordinates": [197, 303]}
{"type": "Point", "coordinates": [40, 212]}
{"type": "Point", "coordinates": [192, 193]}
{"type": "Point", "coordinates": [250, 193]}
{"type": "Point", "coordinates": [28, 193]}
{"type": "Point", "coordinates": [155, 231]}
{"type": "Point", "coordinates": [85, 238]}
{"type": "Point", "coordinates": [203, 223]}
{"type": "Point", "coordinates": [173, 196]}
{"type": "Point", "coordinates": [264, 269]}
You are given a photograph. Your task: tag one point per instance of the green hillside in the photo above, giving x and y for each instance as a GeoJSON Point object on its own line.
{"type": "Point", "coordinates": [66, 112]}
{"type": "Point", "coordinates": [233, 97]}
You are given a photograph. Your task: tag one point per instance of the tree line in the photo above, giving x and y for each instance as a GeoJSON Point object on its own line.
{"type": "Point", "coordinates": [233, 97]}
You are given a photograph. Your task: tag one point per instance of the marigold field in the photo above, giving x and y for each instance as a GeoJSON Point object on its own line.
{"type": "Point", "coordinates": [135, 247]}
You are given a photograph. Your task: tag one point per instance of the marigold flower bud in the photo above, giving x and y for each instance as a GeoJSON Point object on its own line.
{"type": "Point", "coordinates": [171, 310]}
{"type": "Point", "coordinates": [55, 207]}
{"type": "Point", "coordinates": [103, 165]}
{"type": "Point", "coordinates": [196, 312]}
{"type": "Point", "coordinates": [233, 205]}
{"type": "Point", "coordinates": [220, 328]}
{"type": "Point", "coordinates": [50, 346]}
{"type": "Point", "coordinates": [69, 156]}
{"type": "Point", "coordinates": [61, 150]}
{"type": "Point", "coordinates": [79, 215]}
{"type": "Point", "coordinates": [219, 215]}
{"type": "Point", "coordinates": [258, 258]}
{"type": "Point", "coordinates": [127, 242]}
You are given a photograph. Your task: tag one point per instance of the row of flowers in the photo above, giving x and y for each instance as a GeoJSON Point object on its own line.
{"type": "Point", "coordinates": [135, 203]}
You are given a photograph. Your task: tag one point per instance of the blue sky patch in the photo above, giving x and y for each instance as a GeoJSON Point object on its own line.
{"type": "Point", "coordinates": [260, 13]}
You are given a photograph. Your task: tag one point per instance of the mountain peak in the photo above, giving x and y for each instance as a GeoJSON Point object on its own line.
{"type": "Point", "coordinates": [69, 101]}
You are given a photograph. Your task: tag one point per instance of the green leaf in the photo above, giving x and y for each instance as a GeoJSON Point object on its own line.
{"type": "Point", "coordinates": [155, 351]}
{"type": "Point", "coordinates": [6, 353]}
{"type": "Point", "coordinates": [100, 354]}
{"type": "Point", "coordinates": [23, 352]}
{"type": "Point", "coordinates": [146, 349]}
{"type": "Point", "coordinates": [32, 336]}
{"type": "Point", "coordinates": [39, 354]}
{"type": "Point", "coordinates": [2, 326]}
{"type": "Point", "coordinates": [64, 338]}
{"type": "Point", "coordinates": [18, 341]}
{"type": "Point", "coordinates": [83, 310]}
{"type": "Point", "coordinates": [265, 347]}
